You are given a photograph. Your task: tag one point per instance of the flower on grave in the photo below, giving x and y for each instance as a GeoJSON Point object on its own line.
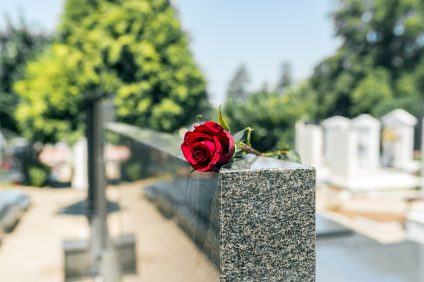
{"type": "Point", "coordinates": [208, 146]}
{"type": "Point", "coordinates": [211, 145]}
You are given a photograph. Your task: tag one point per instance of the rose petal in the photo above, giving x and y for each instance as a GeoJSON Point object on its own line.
{"type": "Point", "coordinates": [209, 127]}
{"type": "Point", "coordinates": [208, 146]}
{"type": "Point", "coordinates": [216, 156]}
{"type": "Point", "coordinates": [230, 149]}
{"type": "Point", "coordinates": [203, 149]}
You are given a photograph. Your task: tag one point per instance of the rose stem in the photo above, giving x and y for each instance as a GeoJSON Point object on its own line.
{"type": "Point", "coordinates": [249, 149]}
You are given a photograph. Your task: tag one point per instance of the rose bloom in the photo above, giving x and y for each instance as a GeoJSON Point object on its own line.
{"type": "Point", "coordinates": [208, 147]}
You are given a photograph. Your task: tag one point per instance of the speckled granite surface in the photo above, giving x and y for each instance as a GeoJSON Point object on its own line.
{"type": "Point", "coordinates": [255, 219]}
{"type": "Point", "coordinates": [267, 223]}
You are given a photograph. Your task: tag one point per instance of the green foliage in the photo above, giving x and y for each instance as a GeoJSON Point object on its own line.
{"type": "Point", "coordinates": [132, 171]}
{"type": "Point", "coordinates": [271, 116]}
{"type": "Point", "coordinates": [51, 101]}
{"type": "Point", "coordinates": [37, 175]}
{"type": "Point", "coordinates": [18, 45]}
{"type": "Point", "coordinates": [133, 49]}
{"type": "Point", "coordinates": [222, 121]}
{"type": "Point", "coordinates": [414, 105]}
{"type": "Point", "coordinates": [378, 63]}
{"type": "Point", "coordinates": [370, 91]}
{"type": "Point", "coordinates": [387, 30]}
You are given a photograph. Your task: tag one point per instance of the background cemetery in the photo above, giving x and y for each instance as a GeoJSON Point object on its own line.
{"type": "Point", "coordinates": [357, 120]}
{"type": "Point", "coordinates": [347, 154]}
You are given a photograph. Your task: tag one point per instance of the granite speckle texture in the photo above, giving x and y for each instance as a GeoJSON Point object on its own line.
{"type": "Point", "coordinates": [255, 220]}
{"type": "Point", "coordinates": [267, 223]}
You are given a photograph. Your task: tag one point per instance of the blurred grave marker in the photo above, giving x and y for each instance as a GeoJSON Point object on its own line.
{"type": "Point", "coordinates": [298, 137]}
{"type": "Point", "coordinates": [344, 157]}
{"type": "Point", "coordinates": [80, 178]}
{"type": "Point", "coordinates": [368, 133]}
{"type": "Point", "coordinates": [331, 126]}
{"type": "Point", "coordinates": [352, 151]}
{"type": "Point", "coordinates": [59, 158]}
{"type": "Point", "coordinates": [113, 156]}
{"type": "Point", "coordinates": [309, 143]}
{"type": "Point", "coordinates": [398, 140]}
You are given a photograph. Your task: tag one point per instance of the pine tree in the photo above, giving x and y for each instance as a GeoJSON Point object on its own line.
{"type": "Point", "coordinates": [238, 86]}
{"type": "Point", "coordinates": [285, 80]}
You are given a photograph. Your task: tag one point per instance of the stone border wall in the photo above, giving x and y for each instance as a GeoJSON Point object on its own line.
{"type": "Point", "coordinates": [261, 214]}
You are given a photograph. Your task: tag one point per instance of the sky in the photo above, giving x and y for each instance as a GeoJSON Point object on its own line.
{"type": "Point", "coordinates": [262, 34]}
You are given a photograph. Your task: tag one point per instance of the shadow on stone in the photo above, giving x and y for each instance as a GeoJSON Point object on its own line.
{"type": "Point", "coordinates": [79, 208]}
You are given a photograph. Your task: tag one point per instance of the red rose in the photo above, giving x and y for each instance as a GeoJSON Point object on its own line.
{"type": "Point", "coordinates": [208, 146]}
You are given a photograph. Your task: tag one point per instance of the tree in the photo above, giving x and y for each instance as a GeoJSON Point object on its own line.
{"type": "Point", "coordinates": [52, 104]}
{"type": "Point", "coordinates": [238, 86]}
{"type": "Point", "coordinates": [18, 45]}
{"type": "Point", "coordinates": [370, 91]}
{"type": "Point", "coordinates": [271, 115]}
{"type": "Point", "coordinates": [388, 30]}
{"type": "Point", "coordinates": [380, 40]}
{"type": "Point", "coordinates": [133, 49]}
{"type": "Point", "coordinates": [285, 80]}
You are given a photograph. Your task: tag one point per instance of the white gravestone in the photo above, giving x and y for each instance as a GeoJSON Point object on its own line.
{"type": "Point", "coordinates": [344, 154]}
{"type": "Point", "coordinates": [311, 145]}
{"type": "Point", "coordinates": [63, 169]}
{"type": "Point", "coordinates": [367, 129]}
{"type": "Point", "coordinates": [59, 158]}
{"type": "Point", "coordinates": [299, 138]}
{"type": "Point", "coordinates": [80, 178]}
{"type": "Point", "coordinates": [398, 139]}
{"type": "Point", "coordinates": [113, 156]}
{"type": "Point", "coordinates": [333, 125]}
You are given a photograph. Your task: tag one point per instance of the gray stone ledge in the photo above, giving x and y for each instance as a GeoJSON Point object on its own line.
{"type": "Point", "coordinates": [261, 224]}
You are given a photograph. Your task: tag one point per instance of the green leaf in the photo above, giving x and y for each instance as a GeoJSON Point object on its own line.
{"type": "Point", "coordinates": [249, 136]}
{"type": "Point", "coordinates": [238, 151]}
{"type": "Point", "coordinates": [238, 137]}
{"type": "Point", "coordinates": [291, 156]}
{"type": "Point", "coordinates": [222, 121]}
